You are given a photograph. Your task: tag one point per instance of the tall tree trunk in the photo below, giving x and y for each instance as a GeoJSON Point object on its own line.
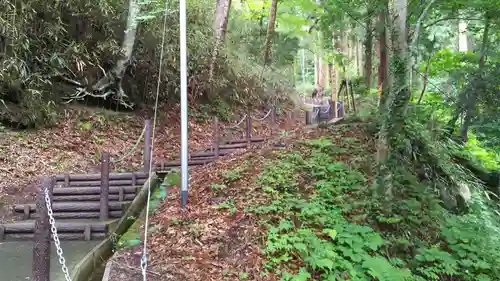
{"type": "Point", "coordinates": [334, 75]}
{"type": "Point", "coordinates": [316, 71]}
{"type": "Point", "coordinates": [114, 77]}
{"type": "Point", "coordinates": [359, 57]}
{"type": "Point", "coordinates": [463, 42]}
{"type": "Point", "coordinates": [270, 31]}
{"type": "Point", "coordinates": [470, 107]}
{"type": "Point", "coordinates": [368, 43]}
{"type": "Point", "coordinates": [401, 94]}
{"type": "Point", "coordinates": [221, 19]}
{"type": "Point", "coordinates": [350, 47]}
{"type": "Point", "coordinates": [462, 97]}
{"type": "Point", "coordinates": [320, 82]}
{"type": "Point", "coordinates": [393, 119]}
{"type": "Point", "coordinates": [344, 50]}
{"type": "Point", "coordinates": [414, 42]}
{"type": "Point", "coordinates": [383, 67]}
{"type": "Point", "coordinates": [322, 67]}
{"type": "Point", "coordinates": [322, 75]}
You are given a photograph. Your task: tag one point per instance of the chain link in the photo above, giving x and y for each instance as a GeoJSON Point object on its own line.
{"type": "Point", "coordinates": [53, 229]}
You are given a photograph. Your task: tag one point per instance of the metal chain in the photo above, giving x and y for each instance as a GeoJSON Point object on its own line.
{"type": "Point", "coordinates": [53, 229]}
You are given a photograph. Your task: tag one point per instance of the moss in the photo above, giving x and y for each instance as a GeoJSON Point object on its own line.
{"type": "Point", "coordinates": [133, 235]}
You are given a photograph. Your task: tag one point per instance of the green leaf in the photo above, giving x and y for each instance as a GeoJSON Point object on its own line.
{"type": "Point", "coordinates": [324, 263]}
{"type": "Point", "coordinates": [331, 232]}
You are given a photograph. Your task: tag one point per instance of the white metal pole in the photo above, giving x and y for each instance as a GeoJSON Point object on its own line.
{"type": "Point", "coordinates": [184, 109]}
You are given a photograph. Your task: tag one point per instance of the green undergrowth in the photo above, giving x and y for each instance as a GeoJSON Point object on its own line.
{"type": "Point", "coordinates": [323, 223]}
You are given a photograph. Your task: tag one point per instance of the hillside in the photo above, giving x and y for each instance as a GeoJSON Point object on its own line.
{"type": "Point", "coordinates": [309, 211]}
{"type": "Point", "coordinates": [74, 145]}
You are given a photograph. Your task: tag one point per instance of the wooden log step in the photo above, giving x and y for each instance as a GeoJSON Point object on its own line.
{"type": "Point", "coordinates": [210, 153]}
{"type": "Point", "coordinates": [73, 206]}
{"type": "Point", "coordinates": [254, 139]}
{"type": "Point", "coordinates": [62, 236]}
{"type": "Point", "coordinates": [94, 197]}
{"type": "Point", "coordinates": [207, 158]}
{"type": "Point", "coordinates": [92, 190]}
{"type": "Point", "coordinates": [98, 183]}
{"type": "Point", "coordinates": [192, 162]}
{"type": "Point", "coordinates": [62, 227]}
{"type": "Point", "coordinates": [79, 215]}
{"type": "Point", "coordinates": [233, 146]}
{"type": "Point", "coordinates": [91, 177]}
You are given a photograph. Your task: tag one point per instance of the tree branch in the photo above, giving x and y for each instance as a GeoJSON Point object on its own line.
{"type": "Point", "coordinates": [313, 25]}
{"type": "Point", "coordinates": [413, 44]}
{"type": "Point", "coordinates": [448, 18]}
{"type": "Point", "coordinates": [419, 23]}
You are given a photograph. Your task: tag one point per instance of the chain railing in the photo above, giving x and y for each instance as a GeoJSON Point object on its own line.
{"type": "Point", "coordinates": [44, 228]}
{"type": "Point", "coordinates": [55, 236]}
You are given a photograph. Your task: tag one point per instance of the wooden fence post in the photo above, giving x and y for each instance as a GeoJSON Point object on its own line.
{"type": "Point", "coordinates": [308, 118]}
{"type": "Point", "coordinates": [347, 100]}
{"type": "Point", "coordinates": [352, 99]}
{"type": "Point", "coordinates": [216, 137]}
{"type": "Point", "coordinates": [104, 200]}
{"type": "Point", "coordinates": [331, 111]}
{"type": "Point", "coordinates": [41, 241]}
{"type": "Point", "coordinates": [249, 128]}
{"type": "Point", "coordinates": [273, 121]}
{"type": "Point", "coordinates": [147, 146]}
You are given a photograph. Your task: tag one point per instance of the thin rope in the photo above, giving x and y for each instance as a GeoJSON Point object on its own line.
{"type": "Point", "coordinates": [126, 155]}
{"type": "Point", "coordinates": [144, 259]}
{"type": "Point", "coordinates": [260, 119]}
{"type": "Point", "coordinates": [239, 123]}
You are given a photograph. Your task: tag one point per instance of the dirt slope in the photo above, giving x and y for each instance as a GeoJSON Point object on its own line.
{"type": "Point", "coordinates": [214, 238]}
{"type": "Point", "coordinates": [74, 146]}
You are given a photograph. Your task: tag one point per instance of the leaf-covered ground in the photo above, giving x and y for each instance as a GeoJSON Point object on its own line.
{"type": "Point", "coordinates": [217, 237]}
{"type": "Point", "coordinates": [308, 211]}
{"type": "Point", "coordinates": [74, 146]}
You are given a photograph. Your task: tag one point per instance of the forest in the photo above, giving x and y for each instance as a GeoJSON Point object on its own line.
{"type": "Point", "coordinates": [415, 196]}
